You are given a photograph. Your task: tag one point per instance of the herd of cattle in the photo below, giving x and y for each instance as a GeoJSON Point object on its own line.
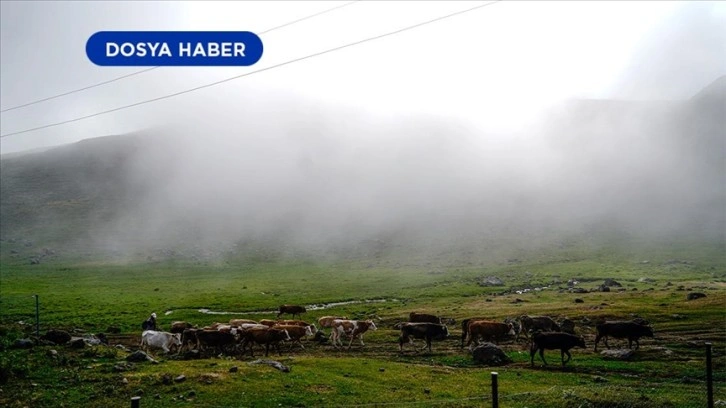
{"type": "Point", "coordinates": [241, 335]}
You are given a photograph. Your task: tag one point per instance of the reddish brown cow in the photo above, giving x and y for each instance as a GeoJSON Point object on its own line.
{"type": "Point", "coordinates": [490, 331]}
{"type": "Point", "coordinates": [266, 337]}
{"type": "Point", "coordinates": [296, 332]}
{"type": "Point", "coordinates": [327, 321]}
{"type": "Point", "coordinates": [268, 322]}
{"type": "Point", "coordinates": [297, 323]}
{"type": "Point", "coordinates": [352, 329]}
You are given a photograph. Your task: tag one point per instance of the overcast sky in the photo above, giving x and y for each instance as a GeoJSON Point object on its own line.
{"type": "Point", "coordinates": [480, 67]}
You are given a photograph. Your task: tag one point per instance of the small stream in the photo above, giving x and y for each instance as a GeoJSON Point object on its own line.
{"type": "Point", "coordinates": [316, 306]}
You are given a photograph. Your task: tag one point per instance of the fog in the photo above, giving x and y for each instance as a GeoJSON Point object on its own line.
{"type": "Point", "coordinates": [333, 177]}
{"type": "Point", "coordinates": [518, 129]}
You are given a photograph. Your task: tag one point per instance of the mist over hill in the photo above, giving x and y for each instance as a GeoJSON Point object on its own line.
{"type": "Point", "coordinates": [333, 180]}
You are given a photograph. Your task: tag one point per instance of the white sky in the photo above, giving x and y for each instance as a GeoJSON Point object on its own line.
{"type": "Point", "coordinates": [482, 66]}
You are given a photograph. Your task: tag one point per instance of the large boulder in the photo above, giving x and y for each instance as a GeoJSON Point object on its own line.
{"type": "Point", "coordinates": [490, 354]}
{"type": "Point", "coordinates": [56, 336]}
{"type": "Point", "coordinates": [612, 283]}
{"type": "Point", "coordinates": [617, 354]}
{"type": "Point", "coordinates": [139, 356]}
{"type": "Point", "coordinates": [695, 295]}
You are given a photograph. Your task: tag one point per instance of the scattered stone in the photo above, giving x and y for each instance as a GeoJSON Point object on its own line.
{"type": "Point", "coordinates": [490, 354]}
{"type": "Point", "coordinates": [166, 379]}
{"type": "Point", "coordinates": [56, 336]}
{"type": "Point", "coordinates": [280, 366]}
{"type": "Point", "coordinates": [124, 381]}
{"type": "Point", "coordinates": [381, 370]}
{"type": "Point", "coordinates": [603, 288]}
{"type": "Point", "coordinates": [157, 396]}
{"type": "Point", "coordinates": [678, 316]}
{"type": "Point", "coordinates": [621, 354]}
{"type": "Point", "coordinates": [192, 355]}
{"type": "Point", "coordinates": [427, 391]}
{"type": "Point", "coordinates": [578, 300]}
{"type": "Point", "coordinates": [517, 300]}
{"type": "Point", "coordinates": [491, 281]}
{"type": "Point", "coordinates": [191, 394]}
{"type": "Point", "coordinates": [571, 283]}
{"type": "Point", "coordinates": [578, 290]}
{"type": "Point", "coordinates": [233, 369]}
{"type": "Point", "coordinates": [121, 367]}
{"type": "Point", "coordinates": [121, 347]}
{"type": "Point", "coordinates": [599, 379]}
{"type": "Point", "coordinates": [113, 330]}
{"type": "Point", "coordinates": [646, 280]}
{"type": "Point", "coordinates": [139, 357]}
{"type": "Point", "coordinates": [695, 295]}
{"type": "Point", "coordinates": [488, 300]}
{"type": "Point", "coordinates": [180, 378]}
{"type": "Point", "coordinates": [719, 403]}
{"type": "Point", "coordinates": [138, 392]}
{"type": "Point", "coordinates": [52, 353]}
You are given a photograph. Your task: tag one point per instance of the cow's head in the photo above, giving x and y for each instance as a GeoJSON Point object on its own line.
{"type": "Point", "coordinates": [371, 325]}
{"type": "Point", "coordinates": [648, 331]}
{"type": "Point", "coordinates": [308, 331]}
{"type": "Point", "coordinates": [511, 331]}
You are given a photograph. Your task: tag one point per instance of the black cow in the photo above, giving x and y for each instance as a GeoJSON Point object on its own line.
{"type": "Point", "coordinates": [291, 309]}
{"type": "Point", "coordinates": [633, 331]}
{"type": "Point", "coordinates": [553, 341]}
{"type": "Point", "coordinates": [220, 341]}
{"type": "Point", "coordinates": [428, 331]}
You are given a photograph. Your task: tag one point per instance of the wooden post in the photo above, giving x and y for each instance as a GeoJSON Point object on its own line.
{"type": "Point", "coordinates": [495, 390]}
{"type": "Point", "coordinates": [709, 376]}
{"type": "Point", "coordinates": [135, 402]}
{"type": "Point", "coordinates": [37, 317]}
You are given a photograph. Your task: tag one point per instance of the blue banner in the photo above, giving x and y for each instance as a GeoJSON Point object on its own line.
{"type": "Point", "coordinates": [174, 48]}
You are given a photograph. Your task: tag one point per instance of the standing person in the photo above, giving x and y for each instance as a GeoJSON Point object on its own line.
{"type": "Point", "coordinates": [150, 323]}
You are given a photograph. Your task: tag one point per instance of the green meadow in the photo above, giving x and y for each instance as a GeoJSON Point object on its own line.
{"type": "Point", "coordinates": [91, 295]}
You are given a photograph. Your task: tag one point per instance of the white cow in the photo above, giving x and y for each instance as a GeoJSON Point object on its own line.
{"type": "Point", "coordinates": [151, 339]}
{"type": "Point", "coordinates": [352, 329]}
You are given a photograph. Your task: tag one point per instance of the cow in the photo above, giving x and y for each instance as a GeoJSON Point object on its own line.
{"type": "Point", "coordinates": [427, 331]}
{"type": "Point", "coordinates": [531, 324]}
{"type": "Point", "coordinates": [268, 322]}
{"type": "Point", "coordinates": [189, 337]}
{"type": "Point", "coordinates": [240, 322]}
{"type": "Point", "coordinates": [327, 321]}
{"type": "Point", "coordinates": [552, 341]}
{"type": "Point", "coordinates": [633, 331]}
{"type": "Point", "coordinates": [352, 329]}
{"type": "Point", "coordinates": [264, 337]}
{"type": "Point", "coordinates": [296, 332]}
{"type": "Point", "coordinates": [220, 341]}
{"type": "Point", "coordinates": [465, 327]}
{"type": "Point", "coordinates": [151, 339]}
{"type": "Point", "coordinates": [490, 331]}
{"type": "Point", "coordinates": [414, 317]}
{"type": "Point", "coordinates": [294, 310]}
{"type": "Point", "coordinates": [179, 327]}
{"type": "Point", "coordinates": [297, 323]}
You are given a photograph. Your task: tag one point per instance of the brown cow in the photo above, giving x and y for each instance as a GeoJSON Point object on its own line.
{"type": "Point", "coordinates": [296, 332]}
{"type": "Point", "coordinates": [268, 322]}
{"type": "Point", "coordinates": [297, 323]}
{"type": "Point", "coordinates": [179, 327]}
{"type": "Point", "coordinates": [291, 309]}
{"type": "Point", "coordinates": [266, 337]}
{"type": "Point", "coordinates": [240, 322]}
{"type": "Point", "coordinates": [352, 329]}
{"type": "Point", "coordinates": [490, 331]}
{"type": "Point", "coordinates": [327, 321]}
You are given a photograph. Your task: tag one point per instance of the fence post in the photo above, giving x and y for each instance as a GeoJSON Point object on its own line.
{"type": "Point", "coordinates": [495, 390]}
{"type": "Point", "coordinates": [37, 317]}
{"type": "Point", "coordinates": [135, 402]}
{"type": "Point", "coordinates": [709, 375]}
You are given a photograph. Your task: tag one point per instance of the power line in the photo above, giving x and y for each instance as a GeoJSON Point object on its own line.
{"type": "Point", "coordinates": [317, 54]}
{"type": "Point", "coordinates": [153, 68]}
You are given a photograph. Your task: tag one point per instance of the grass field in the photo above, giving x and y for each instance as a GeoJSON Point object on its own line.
{"type": "Point", "coordinates": [91, 295]}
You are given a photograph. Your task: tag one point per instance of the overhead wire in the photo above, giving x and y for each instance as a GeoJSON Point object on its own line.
{"type": "Point", "coordinates": [153, 68]}
{"type": "Point", "coordinates": [292, 61]}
